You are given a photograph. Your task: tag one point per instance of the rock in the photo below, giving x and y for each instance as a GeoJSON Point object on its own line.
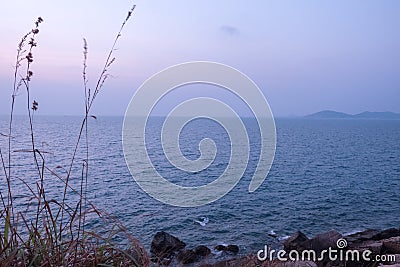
{"type": "Point", "coordinates": [392, 245]}
{"type": "Point", "coordinates": [318, 243]}
{"type": "Point", "coordinates": [202, 251]}
{"type": "Point", "coordinates": [246, 261]}
{"type": "Point", "coordinates": [187, 256]}
{"type": "Point", "coordinates": [378, 242]}
{"type": "Point", "coordinates": [361, 236]}
{"type": "Point", "coordinates": [388, 233]}
{"type": "Point", "coordinates": [322, 241]}
{"type": "Point", "coordinates": [337, 263]}
{"type": "Point", "coordinates": [230, 248]}
{"type": "Point", "coordinates": [220, 248]}
{"type": "Point", "coordinates": [251, 261]}
{"type": "Point", "coordinates": [278, 263]}
{"type": "Point", "coordinates": [295, 242]}
{"type": "Point", "coordinates": [165, 245]}
{"type": "Point", "coordinates": [233, 248]}
{"type": "Point", "coordinates": [395, 261]}
{"type": "Point", "coordinates": [374, 246]}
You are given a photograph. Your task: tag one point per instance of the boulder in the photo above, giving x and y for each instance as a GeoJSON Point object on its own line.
{"type": "Point", "coordinates": [318, 243]}
{"type": "Point", "coordinates": [374, 246]}
{"type": "Point", "coordinates": [378, 245]}
{"type": "Point", "coordinates": [277, 263]}
{"type": "Point", "coordinates": [299, 242]}
{"type": "Point", "coordinates": [392, 245]}
{"type": "Point", "coordinates": [233, 248]}
{"type": "Point", "coordinates": [295, 242]}
{"type": "Point", "coordinates": [230, 248]}
{"type": "Point", "coordinates": [322, 241]}
{"type": "Point", "coordinates": [246, 261]}
{"type": "Point", "coordinates": [388, 233]}
{"type": "Point", "coordinates": [251, 261]}
{"type": "Point", "coordinates": [187, 256]}
{"type": "Point", "coordinates": [361, 236]}
{"type": "Point", "coordinates": [165, 245]}
{"type": "Point", "coordinates": [396, 260]}
{"type": "Point", "coordinates": [220, 248]}
{"type": "Point", "coordinates": [202, 251]}
{"type": "Point", "coordinates": [372, 234]}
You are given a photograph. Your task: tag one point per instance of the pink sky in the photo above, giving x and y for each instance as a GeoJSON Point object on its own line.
{"type": "Point", "coordinates": [305, 56]}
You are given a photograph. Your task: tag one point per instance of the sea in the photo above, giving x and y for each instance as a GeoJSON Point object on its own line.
{"type": "Point", "coordinates": [341, 174]}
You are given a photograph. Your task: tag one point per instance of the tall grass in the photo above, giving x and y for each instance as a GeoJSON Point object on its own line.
{"type": "Point", "coordinates": [56, 234]}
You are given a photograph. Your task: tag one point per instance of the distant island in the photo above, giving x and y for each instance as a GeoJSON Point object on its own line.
{"type": "Point", "coordinates": [330, 114]}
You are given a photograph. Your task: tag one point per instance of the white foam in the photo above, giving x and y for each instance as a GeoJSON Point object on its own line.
{"type": "Point", "coordinates": [283, 238]}
{"type": "Point", "coordinates": [352, 232]}
{"type": "Point", "coordinates": [203, 221]}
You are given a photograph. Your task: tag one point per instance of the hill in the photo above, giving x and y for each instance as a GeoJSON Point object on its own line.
{"type": "Point", "coordinates": [330, 114]}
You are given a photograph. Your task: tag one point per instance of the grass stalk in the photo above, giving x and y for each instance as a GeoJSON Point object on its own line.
{"type": "Point", "coordinates": [56, 234]}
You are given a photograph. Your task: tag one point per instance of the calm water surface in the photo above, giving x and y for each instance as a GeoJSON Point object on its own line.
{"type": "Point", "coordinates": [327, 174]}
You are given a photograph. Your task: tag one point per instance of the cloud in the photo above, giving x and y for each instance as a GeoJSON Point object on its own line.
{"type": "Point", "coordinates": [229, 30]}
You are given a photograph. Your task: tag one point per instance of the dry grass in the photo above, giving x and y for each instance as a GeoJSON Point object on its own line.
{"type": "Point", "coordinates": [56, 235]}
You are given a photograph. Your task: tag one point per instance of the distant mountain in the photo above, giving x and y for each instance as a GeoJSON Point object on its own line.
{"type": "Point", "coordinates": [330, 114]}
{"type": "Point", "coordinates": [377, 115]}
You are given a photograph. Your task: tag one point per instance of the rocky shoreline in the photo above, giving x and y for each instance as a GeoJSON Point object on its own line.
{"type": "Point", "coordinates": [329, 249]}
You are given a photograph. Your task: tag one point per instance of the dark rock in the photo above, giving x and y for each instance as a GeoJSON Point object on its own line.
{"type": "Point", "coordinates": [374, 246]}
{"type": "Point", "coordinates": [396, 260]}
{"type": "Point", "coordinates": [295, 242]}
{"type": "Point", "coordinates": [233, 248]}
{"type": "Point", "coordinates": [246, 261]}
{"type": "Point", "coordinates": [220, 248]}
{"type": "Point", "coordinates": [202, 251]}
{"type": "Point", "coordinates": [230, 248]}
{"type": "Point", "coordinates": [378, 242]}
{"type": "Point", "coordinates": [252, 261]}
{"type": "Point", "coordinates": [386, 241]}
{"type": "Point", "coordinates": [377, 247]}
{"type": "Point", "coordinates": [392, 245]}
{"type": "Point", "coordinates": [318, 243]}
{"type": "Point", "coordinates": [322, 241]}
{"type": "Point", "coordinates": [388, 233]}
{"type": "Point", "coordinates": [187, 256]}
{"type": "Point", "coordinates": [278, 263]}
{"type": "Point", "coordinates": [164, 245]}
{"type": "Point", "coordinates": [361, 236]}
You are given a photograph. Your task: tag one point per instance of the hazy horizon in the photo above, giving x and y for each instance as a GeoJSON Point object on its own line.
{"type": "Point", "coordinates": [305, 57]}
{"type": "Point", "coordinates": [180, 116]}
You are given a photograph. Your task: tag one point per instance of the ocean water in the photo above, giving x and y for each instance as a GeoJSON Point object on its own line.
{"type": "Point", "coordinates": [327, 174]}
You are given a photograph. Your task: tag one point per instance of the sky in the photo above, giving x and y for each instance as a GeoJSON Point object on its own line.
{"type": "Point", "coordinates": [305, 56]}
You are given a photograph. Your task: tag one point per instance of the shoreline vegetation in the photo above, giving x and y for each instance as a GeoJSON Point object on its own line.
{"type": "Point", "coordinates": [53, 231]}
